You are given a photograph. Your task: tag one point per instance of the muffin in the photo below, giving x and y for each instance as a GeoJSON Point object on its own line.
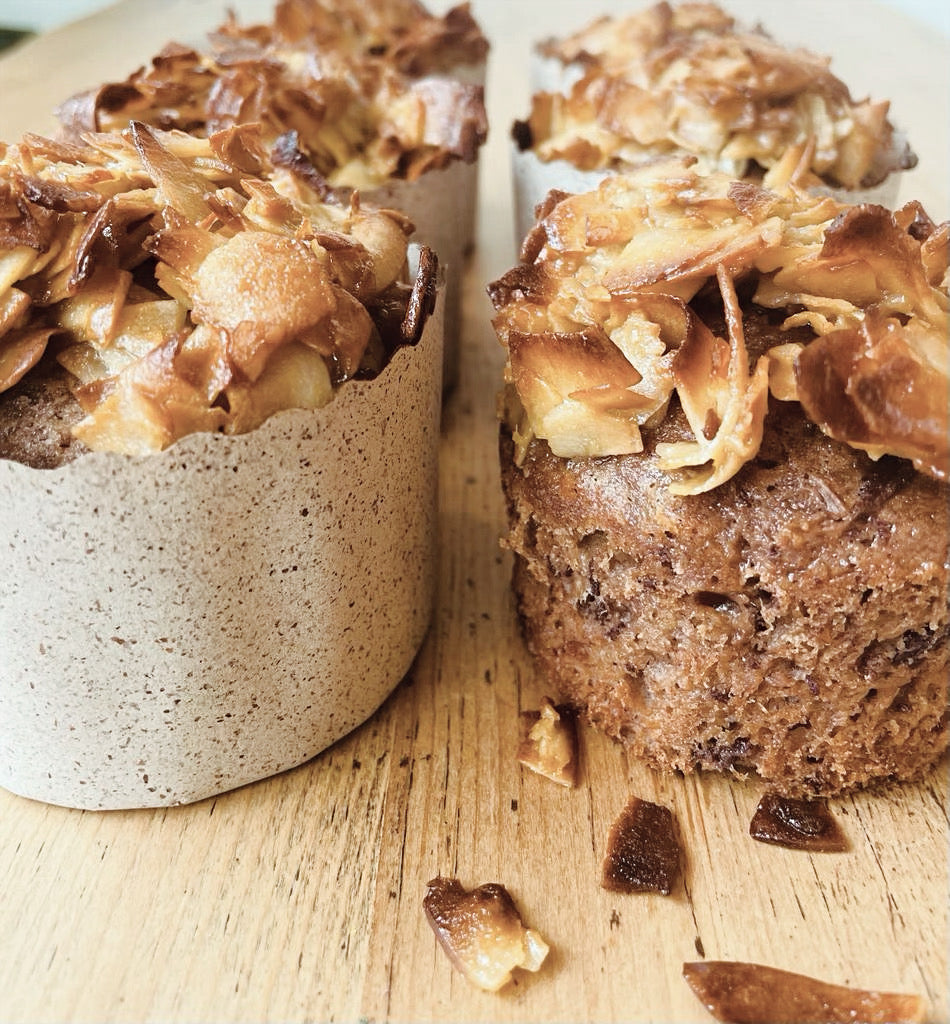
{"type": "Point", "coordinates": [672, 81]}
{"type": "Point", "coordinates": [218, 452]}
{"type": "Point", "coordinates": [724, 451]}
{"type": "Point", "coordinates": [387, 100]}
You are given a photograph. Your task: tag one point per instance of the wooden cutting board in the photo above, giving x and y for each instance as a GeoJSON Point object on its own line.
{"type": "Point", "coordinates": [300, 898]}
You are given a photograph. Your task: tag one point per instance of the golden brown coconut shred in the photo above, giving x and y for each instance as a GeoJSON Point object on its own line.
{"type": "Point", "coordinates": [678, 79]}
{"type": "Point", "coordinates": [403, 33]}
{"type": "Point", "coordinates": [358, 118]}
{"type": "Point", "coordinates": [188, 285]}
{"type": "Point", "coordinates": [603, 324]}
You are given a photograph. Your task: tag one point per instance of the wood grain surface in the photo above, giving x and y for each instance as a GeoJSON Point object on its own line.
{"type": "Point", "coordinates": [300, 898]}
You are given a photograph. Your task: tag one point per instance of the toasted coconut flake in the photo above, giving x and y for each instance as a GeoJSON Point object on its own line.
{"type": "Point", "coordinates": [797, 824]}
{"type": "Point", "coordinates": [724, 405]}
{"type": "Point", "coordinates": [738, 993]}
{"type": "Point", "coordinates": [549, 746]}
{"type": "Point", "coordinates": [182, 189]}
{"type": "Point", "coordinates": [481, 931]}
{"type": "Point", "coordinates": [264, 290]}
{"type": "Point", "coordinates": [782, 369]}
{"type": "Point", "coordinates": [114, 236]}
{"type": "Point", "coordinates": [576, 389]}
{"type": "Point", "coordinates": [15, 264]}
{"type": "Point", "coordinates": [422, 298]}
{"type": "Point", "coordinates": [296, 376]}
{"type": "Point", "coordinates": [873, 388]}
{"type": "Point", "coordinates": [23, 225]}
{"type": "Point", "coordinates": [20, 352]}
{"type": "Point", "coordinates": [643, 851]}
{"type": "Point", "coordinates": [349, 329]}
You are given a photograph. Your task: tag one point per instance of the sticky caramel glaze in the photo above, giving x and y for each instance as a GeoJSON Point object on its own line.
{"type": "Point", "coordinates": [792, 622]}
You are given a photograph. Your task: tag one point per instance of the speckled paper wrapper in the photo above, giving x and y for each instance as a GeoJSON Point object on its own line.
{"type": "Point", "coordinates": [178, 625]}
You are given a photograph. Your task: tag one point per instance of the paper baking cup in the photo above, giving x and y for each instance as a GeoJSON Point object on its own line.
{"type": "Point", "coordinates": [177, 625]}
{"type": "Point", "coordinates": [532, 179]}
{"type": "Point", "coordinates": [885, 194]}
{"type": "Point", "coordinates": [442, 205]}
{"type": "Point", "coordinates": [551, 74]}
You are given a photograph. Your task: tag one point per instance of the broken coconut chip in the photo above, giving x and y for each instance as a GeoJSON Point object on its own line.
{"type": "Point", "coordinates": [745, 993]}
{"type": "Point", "coordinates": [550, 745]}
{"type": "Point", "coordinates": [797, 824]}
{"type": "Point", "coordinates": [481, 931]}
{"type": "Point", "coordinates": [643, 853]}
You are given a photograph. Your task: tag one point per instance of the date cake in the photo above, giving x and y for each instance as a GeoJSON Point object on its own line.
{"type": "Point", "coordinates": [724, 451]}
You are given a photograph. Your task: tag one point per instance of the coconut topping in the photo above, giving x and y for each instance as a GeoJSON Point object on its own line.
{"type": "Point", "coordinates": [191, 284]}
{"type": "Point", "coordinates": [689, 80]}
{"type": "Point", "coordinates": [605, 321]}
{"type": "Point", "coordinates": [335, 77]}
{"type": "Point", "coordinates": [403, 33]}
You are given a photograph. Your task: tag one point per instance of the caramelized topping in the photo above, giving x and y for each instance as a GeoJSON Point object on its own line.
{"type": "Point", "coordinates": [687, 79]}
{"type": "Point", "coordinates": [603, 326]}
{"type": "Point", "coordinates": [550, 744]}
{"type": "Point", "coordinates": [797, 824]}
{"type": "Point", "coordinates": [742, 993]}
{"type": "Point", "coordinates": [184, 293]}
{"type": "Point", "coordinates": [643, 853]}
{"type": "Point", "coordinates": [402, 32]}
{"type": "Point", "coordinates": [368, 89]}
{"type": "Point", "coordinates": [481, 931]}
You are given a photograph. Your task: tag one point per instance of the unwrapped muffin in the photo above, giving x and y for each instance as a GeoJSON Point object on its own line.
{"type": "Point", "coordinates": [687, 79]}
{"type": "Point", "coordinates": [218, 454]}
{"type": "Point", "coordinates": [725, 457]}
{"type": "Point", "coordinates": [386, 99]}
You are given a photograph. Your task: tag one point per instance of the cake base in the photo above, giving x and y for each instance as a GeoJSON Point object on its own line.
{"type": "Point", "coordinates": [791, 623]}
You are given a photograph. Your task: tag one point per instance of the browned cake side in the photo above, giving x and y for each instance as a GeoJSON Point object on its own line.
{"type": "Point", "coordinates": [36, 420]}
{"type": "Point", "coordinates": [792, 621]}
